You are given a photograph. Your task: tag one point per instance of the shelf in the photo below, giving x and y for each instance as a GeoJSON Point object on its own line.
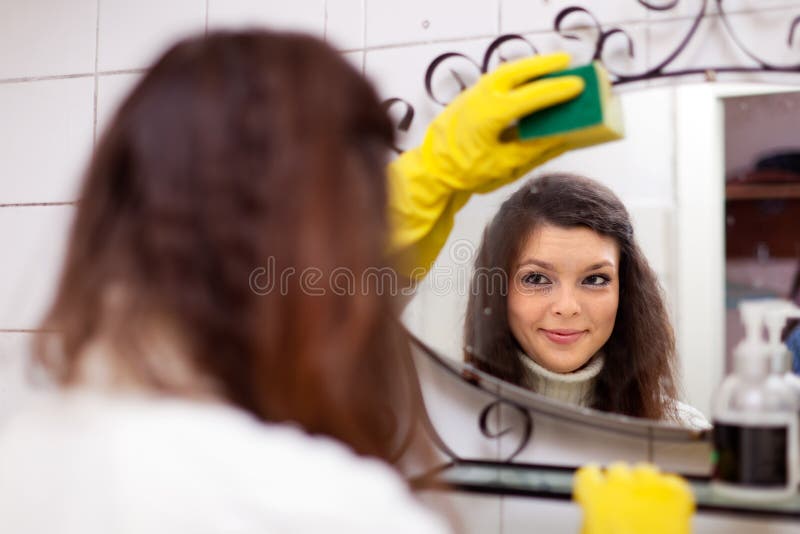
{"type": "Point", "coordinates": [555, 482]}
{"type": "Point", "coordinates": [755, 191]}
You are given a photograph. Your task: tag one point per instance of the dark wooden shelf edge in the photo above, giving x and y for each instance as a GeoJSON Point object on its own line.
{"type": "Point", "coordinates": [761, 191]}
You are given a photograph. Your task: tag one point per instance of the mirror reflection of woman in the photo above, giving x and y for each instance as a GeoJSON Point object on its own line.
{"type": "Point", "coordinates": [578, 314]}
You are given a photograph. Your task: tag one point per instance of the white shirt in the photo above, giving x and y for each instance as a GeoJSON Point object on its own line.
{"type": "Point", "coordinates": [92, 463]}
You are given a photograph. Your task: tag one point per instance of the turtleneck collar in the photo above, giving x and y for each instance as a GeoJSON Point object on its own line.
{"type": "Point", "coordinates": [573, 388]}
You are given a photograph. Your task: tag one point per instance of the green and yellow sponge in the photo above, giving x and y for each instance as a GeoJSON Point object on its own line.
{"type": "Point", "coordinates": [593, 117]}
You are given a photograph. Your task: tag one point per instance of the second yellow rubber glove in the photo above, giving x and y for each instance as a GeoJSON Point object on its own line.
{"type": "Point", "coordinates": [637, 500]}
{"type": "Point", "coordinates": [462, 153]}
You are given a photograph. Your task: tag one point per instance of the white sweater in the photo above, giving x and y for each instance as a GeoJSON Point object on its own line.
{"type": "Point", "coordinates": [577, 388]}
{"type": "Point", "coordinates": [91, 463]}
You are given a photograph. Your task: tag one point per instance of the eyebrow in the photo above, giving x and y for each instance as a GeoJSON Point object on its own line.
{"type": "Point", "coordinates": [551, 267]}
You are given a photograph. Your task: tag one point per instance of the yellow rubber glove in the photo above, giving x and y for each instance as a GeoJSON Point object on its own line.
{"type": "Point", "coordinates": [462, 153]}
{"type": "Point", "coordinates": [633, 501]}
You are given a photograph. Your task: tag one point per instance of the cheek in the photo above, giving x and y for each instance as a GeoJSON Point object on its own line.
{"type": "Point", "coordinates": [514, 312]}
{"type": "Point", "coordinates": [523, 309]}
{"type": "Point", "coordinates": [604, 311]}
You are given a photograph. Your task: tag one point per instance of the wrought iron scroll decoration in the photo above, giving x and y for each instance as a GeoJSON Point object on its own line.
{"type": "Point", "coordinates": [527, 425]}
{"type": "Point", "coordinates": [660, 70]}
{"type": "Point", "coordinates": [523, 414]}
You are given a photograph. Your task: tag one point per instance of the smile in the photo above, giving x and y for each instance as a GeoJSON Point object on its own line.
{"type": "Point", "coordinates": [563, 337]}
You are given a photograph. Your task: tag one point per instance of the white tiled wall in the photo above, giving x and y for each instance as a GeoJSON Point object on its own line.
{"type": "Point", "coordinates": [60, 80]}
{"type": "Point", "coordinates": [303, 15]}
{"type": "Point", "coordinates": [18, 380]}
{"type": "Point", "coordinates": [32, 240]}
{"type": "Point", "coordinates": [344, 23]}
{"type": "Point", "coordinates": [111, 90]}
{"type": "Point", "coordinates": [47, 38]}
{"type": "Point", "coordinates": [132, 34]}
{"type": "Point", "coordinates": [42, 154]}
{"type": "Point", "coordinates": [415, 21]}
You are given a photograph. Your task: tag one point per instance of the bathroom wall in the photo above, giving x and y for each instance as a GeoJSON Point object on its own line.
{"type": "Point", "coordinates": [65, 64]}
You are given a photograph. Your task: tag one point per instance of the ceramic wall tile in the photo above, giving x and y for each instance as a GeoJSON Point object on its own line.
{"type": "Point", "coordinates": [112, 89]}
{"type": "Point", "coordinates": [133, 34]}
{"type": "Point", "coordinates": [344, 23]}
{"type": "Point", "coordinates": [47, 38]}
{"type": "Point", "coordinates": [418, 21]}
{"type": "Point", "coordinates": [298, 15]}
{"type": "Point", "coordinates": [20, 380]}
{"type": "Point", "coordinates": [45, 139]}
{"type": "Point", "coordinates": [524, 514]}
{"type": "Point", "coordinates": [474, 513]}
{"type": "Point", "coordinates": [33, 240]}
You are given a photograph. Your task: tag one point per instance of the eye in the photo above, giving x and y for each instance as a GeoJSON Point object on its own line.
{"type": "Point", "coordinates": [597, 280]}
{"type": "Point", "coordinates": [535, 279]}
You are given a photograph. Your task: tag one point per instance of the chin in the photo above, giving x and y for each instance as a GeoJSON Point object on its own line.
{"type": "Point", "coordinates": [560, 365]}
{"type": "Point", "coordinates": [563, 369]}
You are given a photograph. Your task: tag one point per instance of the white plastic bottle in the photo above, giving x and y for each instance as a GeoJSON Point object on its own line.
{"type": "Point", "coordinates": [755, 417]}
{"type": "Point", "coordinates": [775, 318]}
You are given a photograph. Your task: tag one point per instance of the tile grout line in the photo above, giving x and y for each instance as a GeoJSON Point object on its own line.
{"type": "Point", "coordinates": [20, 331]}
{"type": "Point", "coordinates": [121, 71]}
{"type": "Point", "coordinates": [325, 20]}
{"type": "Point", "coordinates": [9, 81]}
{"type": "Point", "coordinates": [499, 16]}
{"type": "Point", "coordinates": [38, 204]}
{"type": "Point", "coordinates": [96, 77]}
{"type": "Point", "coordinates": [364, 37]}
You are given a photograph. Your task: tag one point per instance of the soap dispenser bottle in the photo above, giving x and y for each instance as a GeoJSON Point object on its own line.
{"type": "Point", "coordinates": [755, 416]}
{"type": "Point", "coordinates": [776, 318]}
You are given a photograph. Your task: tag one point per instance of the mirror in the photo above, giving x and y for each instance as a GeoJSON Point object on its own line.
{"type": "Point", "coordinates": [638, 169]}
{"type": "Point", "coordinates": [682, 146]}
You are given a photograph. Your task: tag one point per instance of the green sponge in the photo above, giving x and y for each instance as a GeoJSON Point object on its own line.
{"type": "Point", "coordinates": [594, 116]}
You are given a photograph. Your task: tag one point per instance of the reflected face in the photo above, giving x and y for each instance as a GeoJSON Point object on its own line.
{"type": "Point", "coordinates": [563, 296]}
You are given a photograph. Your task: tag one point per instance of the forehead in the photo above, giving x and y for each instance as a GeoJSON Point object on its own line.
{"type": "Point", "coordinates": [569, 246]}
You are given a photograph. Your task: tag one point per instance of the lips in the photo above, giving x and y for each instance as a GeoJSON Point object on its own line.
{"type": "Point", "coordinates": [563, 336]}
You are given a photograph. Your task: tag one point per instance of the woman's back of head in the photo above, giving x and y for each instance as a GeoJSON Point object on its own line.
{"type": "Point", "coordinates": [239, 174]}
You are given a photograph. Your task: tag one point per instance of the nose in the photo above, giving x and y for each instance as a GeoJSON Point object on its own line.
{"type": "Point", "coordinates": [566, 304]}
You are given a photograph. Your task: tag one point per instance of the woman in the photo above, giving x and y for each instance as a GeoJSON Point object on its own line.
{"type": "Point", "coordinates": [577, 313]}
{"type": "Point", "coordinates": [214, 376]}
{"type": "Point", "coordinates": [172, 362]}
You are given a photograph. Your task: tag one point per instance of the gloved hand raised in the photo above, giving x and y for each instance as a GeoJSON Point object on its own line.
{"type": "Point", "coordinates": [462, 153]}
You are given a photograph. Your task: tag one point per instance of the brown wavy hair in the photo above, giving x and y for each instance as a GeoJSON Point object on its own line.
{"type": "Point", "coordinates": [238, 152]}
{"type": "Point", "coordinates": [638, 377]}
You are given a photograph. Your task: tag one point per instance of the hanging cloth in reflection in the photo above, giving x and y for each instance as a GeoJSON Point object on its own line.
{"type": "Point", "coordinates": [793, 342]}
